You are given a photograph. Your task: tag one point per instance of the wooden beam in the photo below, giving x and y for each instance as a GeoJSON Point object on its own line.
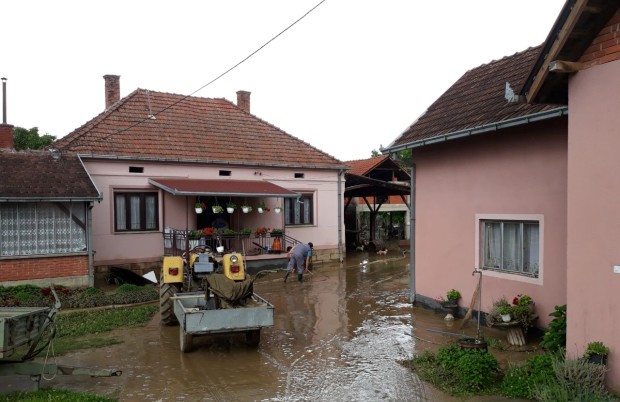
{"type": "Point", "coordinates": [562, 66]}
{"type": "Point", "coordinates": [559, 42]}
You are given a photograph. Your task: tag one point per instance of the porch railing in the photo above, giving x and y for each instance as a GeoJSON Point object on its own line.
{"type": "Point", "coordinates": [176, 242]}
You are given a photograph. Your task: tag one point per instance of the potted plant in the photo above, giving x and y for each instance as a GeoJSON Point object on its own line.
{"type": "Point", "coordinates": [596, 353]}
{"type": "Point", "coordinates": [277, 210]}
{"type": "Point", "coordinates": [230, 207]}
{"type": "Point", "coordinates": [217, 209]}
{"type": "Point", "coordinates": [453, 296]}
{"type": "Point", "coordinates": [228, 232]}
{"type": "Point", "coordinates": [261, 207]}
{"type": "Point", "coordinates": [246, 209]}
{"type": "Point", "coordinates": [244, 231]}
{"type": "Point", "coordinates": [277, 232]}
{"type": "Point", "coordinates": [505, 313]}
{"type": "Point", "coordinates": [526, 301]}
{"type": "Point", "coordinates": [262, 231]}
{"type": "Point", "coordinates": [198, 207]}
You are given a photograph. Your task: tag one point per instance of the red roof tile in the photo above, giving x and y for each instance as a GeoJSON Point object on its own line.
{"type": "Point", "coordinates": [190, 129]}
{"type": "Point", "coordinates": [37, 175]}
{"type": "Point", "coordinates": [364, 166]}
{"type": "Point", "coordinates": [477, 99]}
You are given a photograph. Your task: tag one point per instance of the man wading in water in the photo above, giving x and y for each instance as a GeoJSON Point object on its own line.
{"type": "Point", "coordinates": [299, 257]}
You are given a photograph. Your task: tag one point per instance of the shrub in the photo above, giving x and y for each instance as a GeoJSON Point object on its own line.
{"type": "Point", "coordinates": [448, 356]}
{"type": "Point", "coordinates": [520, 380]}
{"type": "Point", "coordinates": [476, 370]}
{"type": "Point", "coordinates": [596, 348]}
{"type": "Point", "coordinates": [555, 336]}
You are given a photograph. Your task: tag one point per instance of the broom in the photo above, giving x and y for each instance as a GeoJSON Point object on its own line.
{"type": "Point", "coordinates": [474, 298]}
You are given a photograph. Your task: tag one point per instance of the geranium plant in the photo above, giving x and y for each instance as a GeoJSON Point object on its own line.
{"type": "Point", "coordinates": [522, 300]}
{"type": "Point", "coordinates": [262, 230]}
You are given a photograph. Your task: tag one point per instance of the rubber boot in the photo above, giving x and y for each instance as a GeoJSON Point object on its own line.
{"type": "Point", "coordinates": [300, 277]}
{"type": "Point", "coordinates": [286, 276]}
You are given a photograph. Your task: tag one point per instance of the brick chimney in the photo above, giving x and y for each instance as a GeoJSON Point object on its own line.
{"type": "Point", "coordinates": [6, 130]}
{"type": "Point", "coordinates": [243, 100]}
{"type": "Point", "coordinates": [112, 89]}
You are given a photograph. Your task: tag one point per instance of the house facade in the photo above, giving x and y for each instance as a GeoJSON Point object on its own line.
{"type": "Point", "coordinates": [516, 174]}
{"type": "Point", "coordinates": [45, 217]}
{"type": "Point", "coordinates": [154, 156]}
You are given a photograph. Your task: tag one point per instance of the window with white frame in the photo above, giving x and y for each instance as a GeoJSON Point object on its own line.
{"type": "Point", "coordinates": [511, 246]}
{"type": "Point", "coordinates": [299, 211]}
{"type": "Point", "coordinates": [135, 211]}
{"type": "Point", "coordinates": [42, 228]}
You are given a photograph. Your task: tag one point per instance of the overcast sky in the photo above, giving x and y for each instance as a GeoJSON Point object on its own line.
{"type": "Point", "coordinates": [348, 78]}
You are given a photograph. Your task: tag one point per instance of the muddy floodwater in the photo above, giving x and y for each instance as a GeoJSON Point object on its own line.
{"type": "Point", "coordinates": [340, 335]}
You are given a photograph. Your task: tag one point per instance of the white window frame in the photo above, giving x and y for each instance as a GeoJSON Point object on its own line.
{"type": "Point", "coordinates": [515, 276]}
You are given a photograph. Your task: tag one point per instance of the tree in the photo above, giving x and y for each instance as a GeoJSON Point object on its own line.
{"type": "Point", "coordinates": [374, 153]}
{"type": "Point", "coordinates": [30, 139]}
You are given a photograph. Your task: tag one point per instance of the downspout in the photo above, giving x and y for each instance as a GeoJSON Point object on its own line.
{"type": "Point", "coordinates": [89, 242]}
{"type": "Point", "coordinates": [340, 195]}
{"type": "Point", "coordinates": [412, 235]}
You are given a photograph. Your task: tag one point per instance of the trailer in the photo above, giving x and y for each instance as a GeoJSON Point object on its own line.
{"type": "Point", "coordinates": [22, 330]}
{"type": "Point", "coordinates": [198, 315]}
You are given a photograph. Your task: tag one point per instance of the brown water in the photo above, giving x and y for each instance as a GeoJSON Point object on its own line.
{"type": "Point", "coordinates": [338, 336]}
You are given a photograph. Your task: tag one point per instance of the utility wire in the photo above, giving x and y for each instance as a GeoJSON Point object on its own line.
{"type": "Point", "coordinates": [216, 78]}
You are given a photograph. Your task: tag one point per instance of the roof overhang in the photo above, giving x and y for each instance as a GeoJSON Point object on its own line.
{"type": "Point", "coordinates": [228, 188]}
{"type": "Point", "coordinates": [517, 121]}
{"type": "Point", "coordinates": [361, 186]}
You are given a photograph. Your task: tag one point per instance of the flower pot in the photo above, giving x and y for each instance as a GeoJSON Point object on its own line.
{"type": "Point", "coordinates": [471, 343]}
{"type": "Point", "coordinates": [597, 359]}
{"type": "Point", "coordinates": [217, 210]}
{"type": "Point", "coordinates": [198, 210]}
{"type": "Point", "coordinates": [260, 210]}
{"type": "Point", "coordinates": [245, 210]}
{"type": "Point", "coordinates": [230, 210]}
{"type": "Point", "coordinates": [220, 249]}
{"type": "Point", "coordinates": [277, 210]}
{"type": "Point", "coordinates": [506, 317]}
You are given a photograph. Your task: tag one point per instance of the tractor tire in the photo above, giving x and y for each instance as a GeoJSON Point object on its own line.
{"type": "Point", "coordinates": [166, 309]}
{"type": "Point", "coordinates": [185, 340]}
{"type": "Point", "coordinates": [252, 338]}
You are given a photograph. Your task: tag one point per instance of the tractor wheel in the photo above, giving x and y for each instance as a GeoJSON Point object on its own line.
{"type": "Point", "coordinates": [252, 338]}
{"type": "Point", "coordinates": [185, 340]}
{"type": "Point", "coordinates": [166, 309]}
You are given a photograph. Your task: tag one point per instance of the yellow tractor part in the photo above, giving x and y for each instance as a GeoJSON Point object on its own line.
{"type": "Point", "coordinates": [173, 269]}
{"type": "Point", "coordinates": [233, 267]}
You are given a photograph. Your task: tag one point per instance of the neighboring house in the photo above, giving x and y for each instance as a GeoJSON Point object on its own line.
{"type": "Point", "coordinates": [155, 155]}
{"type": "Point", "coordinates": [506, 182]}
{"type": "Point", "coordinates": [383, 215]}
{"type": "Point", "coordinates": [580, 66]}
{"type": "Point", "coordinates": [45, 204]}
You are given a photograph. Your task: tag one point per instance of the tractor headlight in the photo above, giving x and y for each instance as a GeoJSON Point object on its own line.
{"type": "Point", "coordinates": [234, 258]}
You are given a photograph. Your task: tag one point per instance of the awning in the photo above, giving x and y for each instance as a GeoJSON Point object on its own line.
{"type": "Point", "coordinates": [229, 188]}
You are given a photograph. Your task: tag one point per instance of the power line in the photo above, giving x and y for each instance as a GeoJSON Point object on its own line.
{"type": "Point", "coordinates": [151, 116]}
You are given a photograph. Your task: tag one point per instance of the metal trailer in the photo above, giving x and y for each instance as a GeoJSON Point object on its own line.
{"type": "Point", "coordinates": [199, 316]}
{"type": "Point", "coordinates": [26, 327]}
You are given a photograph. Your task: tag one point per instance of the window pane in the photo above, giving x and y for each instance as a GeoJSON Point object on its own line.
{"type": "Point", "coordinates": [134, 203]}
{"type": "Point", "coordinates": [530, 248]}
{"type": "Point", "coordinates": [512, 247]}
{"type": "Point", "coordinates": [151, 211]}
{"type": "Point", "coordinates": [121, 217]}
{"type": "Point", "coordinates": [492, 245]}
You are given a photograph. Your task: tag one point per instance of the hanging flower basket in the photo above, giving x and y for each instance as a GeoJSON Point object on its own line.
{"type": "Point", "coordinates": [198, 208]}
{"type": "Point", "coordinates": [230, 207]}
{"type": "Point", "coordinates": [277, 210]}
{"type": "Point", "coordinates": [217, 209]}
{"type": "Point", "coordinates": [246, 209]}
{"type": "Point", "coordinates": [262, 208]}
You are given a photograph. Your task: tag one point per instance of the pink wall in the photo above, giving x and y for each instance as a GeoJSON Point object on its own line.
{"type": "Point", "coordinates": [122, 248]}
{"type": "Point", "coordinates": [519, 172]}
{"type": "Point", "coordinates": [594, 213]}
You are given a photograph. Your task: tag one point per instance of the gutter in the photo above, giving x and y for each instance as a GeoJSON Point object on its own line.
{"type": "Point", "coordinates": [517, 121]}
{"type": "Point", "coordinates": [47, 199]}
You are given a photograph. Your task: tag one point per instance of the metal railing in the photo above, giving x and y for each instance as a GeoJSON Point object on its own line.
{"type": "Point", "coordinates": [177, 242]}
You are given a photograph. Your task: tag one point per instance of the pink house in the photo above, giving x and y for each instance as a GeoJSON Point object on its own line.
{"type": "Point", "coordinates": [508, 181]}
{"type": "Point", "coordinates": [155, 155]}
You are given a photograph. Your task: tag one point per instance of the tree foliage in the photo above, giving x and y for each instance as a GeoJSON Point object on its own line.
{"type": "Point", "coordinates": [30, 139]}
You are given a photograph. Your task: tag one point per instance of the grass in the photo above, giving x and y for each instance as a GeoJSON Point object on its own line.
{"type": "Point", "coordinates": [53, 396]}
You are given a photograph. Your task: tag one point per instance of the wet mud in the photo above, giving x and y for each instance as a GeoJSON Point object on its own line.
{"type": "Point", "coordinates": [340, 335]}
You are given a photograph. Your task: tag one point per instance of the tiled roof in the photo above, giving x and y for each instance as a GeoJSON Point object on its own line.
{"type": "Point", "coordinates": [190, 129]}
{"type": "Point", "coordinates": [477, 99]}
{"type": "Point", "coordinates": [363, 166]}
{"type": "Point", "coordinates": [37, 175]}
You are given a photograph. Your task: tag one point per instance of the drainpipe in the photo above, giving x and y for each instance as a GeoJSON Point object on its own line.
{"type": "Point", "coordinates": [89, 247]}
{"type": "Point", "coordinates": [340, 173]}
{"type": "Point", "coordinates": [412, 235]}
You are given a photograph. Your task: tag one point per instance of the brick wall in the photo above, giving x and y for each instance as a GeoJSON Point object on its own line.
{"type": "Point", "coordinates": [42, 268]}
{"type": "Point", "coordinates": [606, 46]}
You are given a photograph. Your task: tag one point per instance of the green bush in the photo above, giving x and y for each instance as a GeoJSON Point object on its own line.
{"type": "Point", "coordinates": [520, 380]}
{"type": "Point", "coordinates": [476, 370]}
{"type": "Point", "coordinates": [555, 336]}
{"type": "Point", "coordinates": [448, 356]}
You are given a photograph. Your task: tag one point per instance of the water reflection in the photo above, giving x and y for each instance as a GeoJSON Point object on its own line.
{"type": "Point", "coordinates": [337, 336]}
